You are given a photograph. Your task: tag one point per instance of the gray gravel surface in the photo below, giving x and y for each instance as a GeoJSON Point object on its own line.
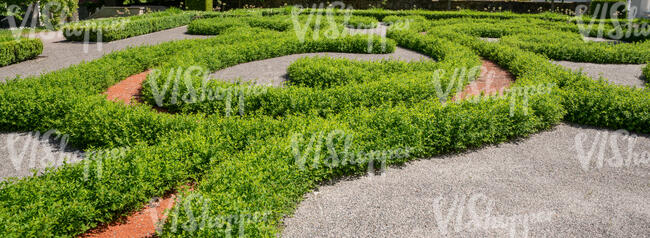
{"type": "Point", "coordinates": [274, 71]}
{"type": "Point", "coordinates": [621, 74]}
{"type": "Point", "coordinates": [488, 39]}
{"type": "Point", "coordinates": [23, 152]}
{"type": "Point", "coordinates": [59, 53]}
{"type": "Point", "coordinates": [540, 180]}
{"type": "Point", "coordinates": [596, 39]}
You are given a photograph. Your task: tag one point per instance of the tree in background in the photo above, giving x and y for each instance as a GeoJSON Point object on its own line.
{"type": "Point", "coordinates": [48, 13]}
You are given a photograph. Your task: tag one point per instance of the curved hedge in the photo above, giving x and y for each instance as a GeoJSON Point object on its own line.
{"type": "Point", "coordinates": [256, 163]}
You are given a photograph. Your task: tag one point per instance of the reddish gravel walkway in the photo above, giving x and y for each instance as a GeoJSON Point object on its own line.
{"type": "Point", "coordinates": [127, 89]}
{"type": "Point", "coordinates": [493, 80]}
{"type": "Point", "coordinates": [139, 224]}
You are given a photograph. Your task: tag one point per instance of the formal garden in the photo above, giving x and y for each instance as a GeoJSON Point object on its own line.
{"type": "Point", "coordinates": [225, 147]}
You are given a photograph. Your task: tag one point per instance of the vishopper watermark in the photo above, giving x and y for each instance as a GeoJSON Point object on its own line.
{"type": "Point", "coordinates": [50, 149]}
{"type": "Point", "coordinates": [616, 149]}
{"type": "Point", "coordinates": [169, 93]}
{"type": "Point", "coordinates": [474, 212]}
{"type": "Point", "coordinates": [28, 151]}
{"type": "Point", "coordinates": [624, 28]}
{"type": "Point", "coordinates": [194, 220]}
{"type": "Point", "coordinates": [321, 18]}
{"type": "Point", "coordinates": [44, 16]}
{"type": "Point", "coordinates": [457, 80]}
{"type": "Point", "coordinates": [333, 149]}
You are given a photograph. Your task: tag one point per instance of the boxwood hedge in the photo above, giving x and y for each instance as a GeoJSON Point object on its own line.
{"type": "Point", "coordinates": [247, 164]}
{"type": "Point", "coordinates": [17, 50]}
{"type": "Point", "coordinates": [111, 29]}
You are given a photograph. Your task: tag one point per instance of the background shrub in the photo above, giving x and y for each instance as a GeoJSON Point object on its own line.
{"type": "Point", "coordinates": [199, 5]}
{"type": "Point", "coordinates": [607, 9]}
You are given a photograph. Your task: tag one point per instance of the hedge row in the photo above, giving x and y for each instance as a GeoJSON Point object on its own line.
{"type": "Point", "coordinates": [572, 47]}
{"type": "Point", "coordinates": [14, 51]}
{"type": "Point", "coordinates": [558, 41]}
{"type": "Point", "coordinates": [325, 72]}
{"type": "Point", "coordinates": [112, 29]}
{"type": "Point", "coordinates": [283, 101]}
{"type": "Point", "coordinates": [217, 25]}
{"type": "Point", "coordinates": [172, 149]}
{"type": "Point", "coordinates": [268, 177]}
{"type": "Point", "coordinates": [646, 72]}
{"type": "Point", "coordinates": [358, 22]}
{"type": "Point", "coordinates": [168, 150]}
{"type": "Point", "coordinates": [248, 164]}
{"type": "Point", "coordinates": [588, 102]}
{"type": "Point", "coordinates": [273, 101]}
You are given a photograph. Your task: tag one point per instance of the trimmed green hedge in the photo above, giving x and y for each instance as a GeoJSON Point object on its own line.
{"type": "Point", "coordinates": [217, 25]}
{"type": "Point", "coordinates": [587, 101]}
{"type": "Point", "coordinates": [248, 164]}
{"type": "Point", "coordinates": [112, 29]}
{"type": "Point", "coordinates": [14, 51]}
{"type": "Point", "coordinates": [358, 22]}
{"type": "Point", "coordinates": [571, 47]}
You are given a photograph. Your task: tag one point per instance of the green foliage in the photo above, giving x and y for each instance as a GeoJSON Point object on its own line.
{"type": "Point", "coordinates": [605, 9]}
{"type": "Point", "coordinates": [199, 5]}
{"type": "Point", "coordinates": [217, 25]}
{"type": "Point", "coordinates": [246, 164]}
{"type": "Point", "coordinates": [111, 29]}
{"type": "Point", "coordinates": [52, 11]}
{"type": "Point", "coordinates": [14, 51]}
{"type": "Point", "coordinates": [571, 47]}
{"type": "Point", "coordinates": [357, 22]}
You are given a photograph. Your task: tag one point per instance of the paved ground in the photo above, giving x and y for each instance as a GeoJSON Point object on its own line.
{"type": "Point", "coordinates": [58, 53]}
{"type": "Point", "coordinates": [274, 71]}
{"type": "Point", "coordinates": [21, 152]}
{"type": "Point", "coordinates": [621, 74]}
{"type": "Point", "coordinates": [539, 179]}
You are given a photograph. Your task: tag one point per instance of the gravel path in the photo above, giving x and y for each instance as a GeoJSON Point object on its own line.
{"type": "Point", "coordinates": [488, 39]}
{"type": "Point", "coordinates": [58, 53]}
{"type": "Point", "coordinates": [539, 179]}
{"type": "Point", "coordinates": [621, 74]}
{"type": "Point", "coordinates": [21, 152]}
{"type": "Point", "coordinates": [274, 71]}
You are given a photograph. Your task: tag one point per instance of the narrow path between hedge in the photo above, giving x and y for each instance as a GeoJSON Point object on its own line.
{"type": "Point", "coordinates": [620, 74]}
